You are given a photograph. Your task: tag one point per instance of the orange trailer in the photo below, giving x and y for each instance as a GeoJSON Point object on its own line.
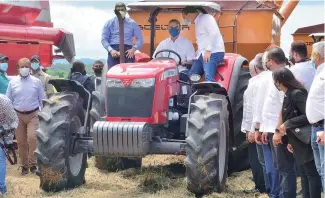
{"type": "Point", "coordinates": [248, 27]}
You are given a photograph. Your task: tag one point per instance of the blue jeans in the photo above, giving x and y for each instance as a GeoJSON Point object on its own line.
{"type": "Point", "coordinates": [318, 149]}
{"type": "Point", "coordinates": [3, 170]}
{"type": "Point", "coordinates": [271, 172]}
{"type": "Point", "coordinates": [261, 160]}
{"type": "Point", "coordinates": [210, 68]}
{"type": "Point", "coordinates": [114, 61]}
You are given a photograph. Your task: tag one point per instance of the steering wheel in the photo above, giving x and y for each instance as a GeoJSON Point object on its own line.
{"type": "Point", "coordinates": [170, 51]}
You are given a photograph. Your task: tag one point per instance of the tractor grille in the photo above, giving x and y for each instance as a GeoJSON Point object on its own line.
{"type": "Point", "coordinates": [129, 102]}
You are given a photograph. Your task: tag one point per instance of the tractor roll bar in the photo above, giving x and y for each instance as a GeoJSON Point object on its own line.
{"type": "Point", "coordinates": [152, 20]}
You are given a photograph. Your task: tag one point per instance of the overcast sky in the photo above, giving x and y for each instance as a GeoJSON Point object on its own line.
{"type": "Point", "coordinates": [85, 19]}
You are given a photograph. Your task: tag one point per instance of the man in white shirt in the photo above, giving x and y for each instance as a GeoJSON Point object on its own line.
{"type": "Point", "coordinates": [178, 44]}
{"type": "Point", "coordinates": [272, 174]}
{"type": "Point", "coordinates": [26, 93]}
{"type": "Point", "coordinates": [255, 153]}
{"type": "Point", "coordinates": [315, 108]}
{"type": "Point", "coordinates": [283, 159]}
{"type": "Point", "coordinates": [303, 68]}
{"type": "Point", "coordinates": [211, 47]}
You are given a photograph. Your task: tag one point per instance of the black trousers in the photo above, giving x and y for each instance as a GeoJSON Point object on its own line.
{"type": "Point", "coordinates": [310, 180]}
{"type": "Point", "coordinates": [257, 170]}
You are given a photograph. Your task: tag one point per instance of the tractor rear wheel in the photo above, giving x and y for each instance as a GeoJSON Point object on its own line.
{"type": "Point", "coordinates": [207, 144]}
{"type": "Point", "coordinates": [60, 119]}
{"type": "Point", "coordinates": [238, 160]}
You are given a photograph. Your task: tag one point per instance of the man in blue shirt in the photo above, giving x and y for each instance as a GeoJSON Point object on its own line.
{"type": "Point", "coordinates": [110, 37]}
{"type": "Point", "coordinates": [3, 75]}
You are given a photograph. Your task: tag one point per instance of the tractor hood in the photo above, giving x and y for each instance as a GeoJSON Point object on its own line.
{"type": "Point", "coordinates": [140, 70]}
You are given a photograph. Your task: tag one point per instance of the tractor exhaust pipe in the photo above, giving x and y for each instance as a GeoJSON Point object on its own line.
{"type": "Point", "coordinates": [121, 31]}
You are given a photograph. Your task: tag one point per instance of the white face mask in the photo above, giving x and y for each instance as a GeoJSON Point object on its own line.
{"type": "Point", "coordinates": [24, 72]}
{"type": "Point", "coordinates": [188, 22]}
{"type": "Point", "coordinates": [123, 13]}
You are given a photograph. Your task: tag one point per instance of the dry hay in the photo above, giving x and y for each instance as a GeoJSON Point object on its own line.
{"type": "Point", "coordinates": [50, 176]}
{"type": "Point", "coordinates": [161, 176]}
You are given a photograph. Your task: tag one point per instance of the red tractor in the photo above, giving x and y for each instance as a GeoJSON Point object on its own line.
{"type": "Point", "coordinates": [140, 109]}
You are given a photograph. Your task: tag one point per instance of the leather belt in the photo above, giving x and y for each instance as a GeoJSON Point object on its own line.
{"type": "Point", "coordinates": [27, 112]}
{"type": "Point", "coordinates": [319, 123]}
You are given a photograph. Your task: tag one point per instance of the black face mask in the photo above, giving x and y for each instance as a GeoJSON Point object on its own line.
{"type": "Point", "coordinates": [98, 72]}
{"type": "Point", "coordinates": [292, 60]}
{"type": "Point", "coordinates": [277, 87]}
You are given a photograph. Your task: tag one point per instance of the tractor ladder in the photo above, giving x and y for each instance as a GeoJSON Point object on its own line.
{"type": "Point", "coordinates": [234, 28]}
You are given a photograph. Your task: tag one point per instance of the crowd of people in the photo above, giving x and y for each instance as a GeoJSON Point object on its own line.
{"type": "Point", "coordinates": [283, 119]}
{"type": "Point", "coordinates": [21, 100]}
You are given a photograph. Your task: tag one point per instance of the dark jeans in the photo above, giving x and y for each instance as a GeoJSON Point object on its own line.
{"type": "Point", "coordinates": [271, 171]}
{"type": "Point", "coordinates": [209, 69]}
{"type": "Point", "coordinates": [285, 164]}
{"type": "Point", "coordinates": [257, 169]}
{"type": "Point", "coordinates": [261, 160]}
{"type": "Point", "coordinates": [114, 61]}
{"type": "Point", "coordinates": [310, 180]}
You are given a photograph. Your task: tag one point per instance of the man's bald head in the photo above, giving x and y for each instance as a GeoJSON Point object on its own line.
{"type": "Point", "coordinates": [23, 63]}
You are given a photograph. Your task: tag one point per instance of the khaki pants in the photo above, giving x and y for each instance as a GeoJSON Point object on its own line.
{"type": "Point", "coordinates": [26, 138]}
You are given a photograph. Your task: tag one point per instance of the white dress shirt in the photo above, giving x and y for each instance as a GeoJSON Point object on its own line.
{"type": "Point", "coordinates": [248, 105]}
{"type": "Point", "coordinates": [271, 107]}
{"type": "Point", "coordinates": [181, 45]}
{"type": "Point", "coordinates": [304, 72]}
{"type": "Point", "coordinates": [26, 94]}
{"type": "Point", "coordinates": [208, 36]}
{"type": "Point", "coordinates": [315, 99]}
{"type": "Point", "coordinates": [262, 84]}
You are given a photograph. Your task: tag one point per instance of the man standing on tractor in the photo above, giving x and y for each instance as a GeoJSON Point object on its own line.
{"type": "Point", "coordinates": [3, 75]}
{"type": "Point", "coordinates": [110, 37]}
{"type": "Point", "coordinates": [211, 47]}
{"type": "Point", "coordinates": [26, 94]}
{"type": "Point", "coordinates": [38, 73]}
{"type": "Point", "coordinates": [178, 44]}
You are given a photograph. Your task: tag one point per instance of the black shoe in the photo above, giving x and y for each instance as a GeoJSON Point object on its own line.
{"type": "Point", "coordinates": [252, 191]}
{"type": "Point", "coordinates": [33, 170]}
{"type": "Point", "coordinates": [24, 171]}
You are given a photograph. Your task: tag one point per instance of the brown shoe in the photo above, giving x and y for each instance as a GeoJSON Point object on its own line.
{"type": "Point", "coordinates": [24, 171]}
{"type": "Point", "coordinates": [33, 170]}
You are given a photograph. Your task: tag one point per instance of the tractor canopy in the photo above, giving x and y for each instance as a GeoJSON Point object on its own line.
{"type": "Point", "coordinates": [168, 6]}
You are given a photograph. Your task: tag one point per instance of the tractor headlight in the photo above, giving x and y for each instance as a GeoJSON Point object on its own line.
{"type": "Point", "coordinates": [145, 82]}
{"type": "Point", "coordinates": [195, 78]}
{"type": "Point", "coordinates": [114, 82]}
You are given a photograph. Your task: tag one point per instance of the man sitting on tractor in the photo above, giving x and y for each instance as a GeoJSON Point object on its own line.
{"type": "Point", "coordinates": [178, 44]}
{"type": "Point", "coordinates": [78, 73]}
{"type": "Point", "coordinates": [211, 47]}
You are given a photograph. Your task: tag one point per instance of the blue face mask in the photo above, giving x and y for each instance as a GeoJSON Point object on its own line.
{"type": "Point", "coordinates": [3, 66]}
{"type": "Point", "coordinates": [35, 66]}
{"type": "Point", "coordinates": [174, 31]}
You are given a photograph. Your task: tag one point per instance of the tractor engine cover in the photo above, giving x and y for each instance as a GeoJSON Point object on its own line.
{"type": "Point", "coordinates": [124, 139]}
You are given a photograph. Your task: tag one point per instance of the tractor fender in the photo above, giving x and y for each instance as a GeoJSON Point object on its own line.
{"type": "Point", "coordinates": [240, 61]}
{"type": "Point", "coordinates": [62, 85]}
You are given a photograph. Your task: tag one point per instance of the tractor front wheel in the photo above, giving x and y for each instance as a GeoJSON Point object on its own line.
{"type": "Point", "coordinates": [60, 119]}
{"type": "Point", "coordinates": [207, 144]}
